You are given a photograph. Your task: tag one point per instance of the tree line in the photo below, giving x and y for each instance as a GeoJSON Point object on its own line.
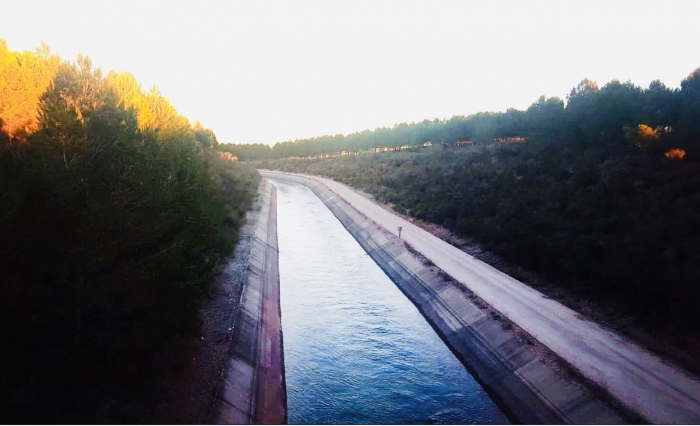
{"type": "Point", "coordinates": [602, 196]}
{"type": "Point", "coordinates": [599, 115]}
{"type": "Point", "coordinates": [114, 210]}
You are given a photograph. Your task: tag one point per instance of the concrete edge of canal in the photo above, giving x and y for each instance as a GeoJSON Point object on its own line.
{"type": "Point", "coordinates": [253, 390]}
{"type": "Point", "coordinates": [530, 383]}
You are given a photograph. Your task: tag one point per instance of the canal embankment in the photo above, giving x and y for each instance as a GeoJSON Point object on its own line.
{"type": "Point", "coordinates": [530, 381]}
{"type": "Point", "coordinates": [253, 388]}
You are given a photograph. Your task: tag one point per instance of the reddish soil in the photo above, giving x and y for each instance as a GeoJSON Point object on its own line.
{"type": "Point", "coordinates": [198, 363]}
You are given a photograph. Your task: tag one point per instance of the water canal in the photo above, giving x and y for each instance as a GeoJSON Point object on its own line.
{"type": "Point", "coordinates": [356, 350]}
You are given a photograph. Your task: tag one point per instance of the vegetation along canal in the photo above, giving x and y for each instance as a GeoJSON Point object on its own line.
{"type": "Point", "coordinates": [356, 349]}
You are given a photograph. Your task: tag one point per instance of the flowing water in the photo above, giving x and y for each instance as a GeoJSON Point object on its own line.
{"type": "Point", "coordinates": [356, 350]}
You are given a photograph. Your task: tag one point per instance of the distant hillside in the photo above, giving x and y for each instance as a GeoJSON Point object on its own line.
{"type": "Point", "coordinates": [603, 195]}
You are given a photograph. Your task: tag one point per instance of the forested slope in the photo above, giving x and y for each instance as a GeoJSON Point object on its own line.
{"type": "Point", "coordinates": [602, 196]}
{"type": "Point", "coordinates": [114, 211]}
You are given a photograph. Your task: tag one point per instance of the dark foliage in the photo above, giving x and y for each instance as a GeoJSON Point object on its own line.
{"type": "Point", "coordinates": [109, 236]}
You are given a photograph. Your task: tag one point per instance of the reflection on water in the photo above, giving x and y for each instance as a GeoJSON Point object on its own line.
{"type": "Point", "coordinates": [356, 350]}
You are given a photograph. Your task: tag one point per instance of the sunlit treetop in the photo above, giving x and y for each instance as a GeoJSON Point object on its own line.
{"type": "Point", "coordinates": [31, 81]}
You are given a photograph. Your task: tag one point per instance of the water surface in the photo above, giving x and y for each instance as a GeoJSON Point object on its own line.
{"type": "Point", "coordinates": [356, 350]}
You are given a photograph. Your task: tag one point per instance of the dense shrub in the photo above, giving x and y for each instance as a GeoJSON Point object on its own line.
{"type": "Point", "coordinates": [618, 222]}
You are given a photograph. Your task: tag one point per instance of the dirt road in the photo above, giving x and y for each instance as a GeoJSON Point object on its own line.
{"type": "Point", "coordinates": [659, 392]}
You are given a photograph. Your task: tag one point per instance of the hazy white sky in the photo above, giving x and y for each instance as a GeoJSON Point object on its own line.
{"type": "Point", "coordinates": [273, 71]}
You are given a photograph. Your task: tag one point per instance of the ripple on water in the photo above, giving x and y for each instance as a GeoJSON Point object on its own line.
{"type": "Point", "coordinates": [356, 349]}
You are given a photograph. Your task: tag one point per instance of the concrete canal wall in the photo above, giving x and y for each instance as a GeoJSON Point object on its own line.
{"type": "Point", "coordinates": [253, 390]}
{"type": "Point", "coordinates": [529, 382]}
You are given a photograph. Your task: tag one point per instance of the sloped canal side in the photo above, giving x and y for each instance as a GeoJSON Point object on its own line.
{"type": "Point", "coordinates": [253, 389]}
{"type": "Point", "coordinates": [356, 349]}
